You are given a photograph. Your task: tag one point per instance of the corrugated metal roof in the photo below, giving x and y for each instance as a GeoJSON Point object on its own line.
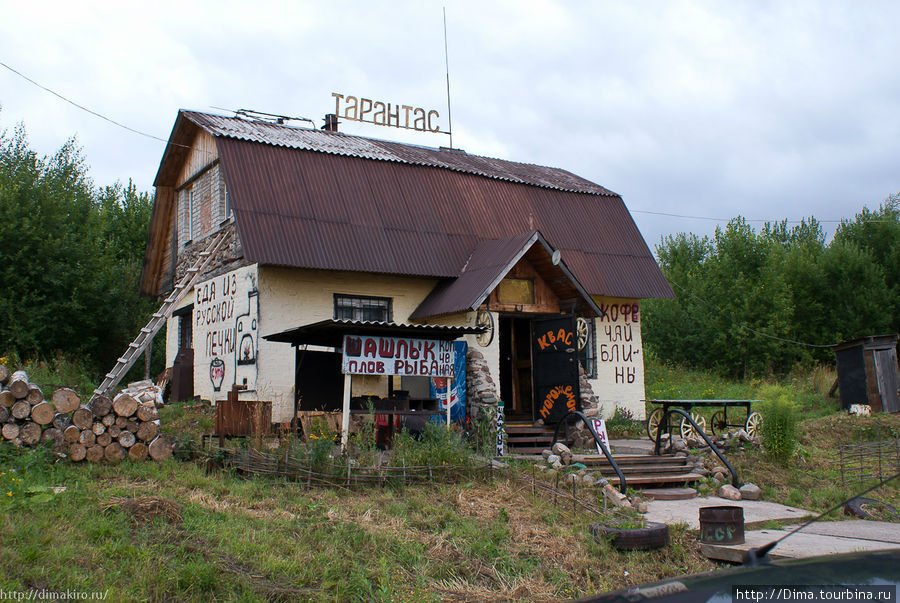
{"type": "Point", "coordinates": [336, 143]}
{"type": "Point", "coordinates": [308, 209]}
{"type": "Point", "coordinates": [330, 332]}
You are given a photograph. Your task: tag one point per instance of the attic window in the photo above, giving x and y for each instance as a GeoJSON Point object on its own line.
{"type": "Point", "coordinates": [362, 307]}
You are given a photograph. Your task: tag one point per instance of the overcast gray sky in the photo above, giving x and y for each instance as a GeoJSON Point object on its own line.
{"type": "Point", "coordinates": [770, 110]}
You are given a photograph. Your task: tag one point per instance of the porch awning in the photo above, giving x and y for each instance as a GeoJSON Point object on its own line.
{"type": "Point", "coordinates": [330, 333]}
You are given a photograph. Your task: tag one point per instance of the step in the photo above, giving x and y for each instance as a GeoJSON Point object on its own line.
{"type": "Point", "coordinates": [647, 459]}
{"type": "Point", "coordinates": [513, 438]}
{"type": "Point", "coordinates": [668, 493]}
{"type": "Point", "coordinates": [527, 429]}
{"type": "Point", "coordinates": [644, 480]}
{"type": "Point", "coordinates": [652, 470]}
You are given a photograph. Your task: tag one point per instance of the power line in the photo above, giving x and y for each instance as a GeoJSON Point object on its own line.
{"type": "Point", "coordinates": [754, 331]}
{"type": "Point", "coordinates": [669, 215]}
{"type": "Point", "coordinates": [82, 107]}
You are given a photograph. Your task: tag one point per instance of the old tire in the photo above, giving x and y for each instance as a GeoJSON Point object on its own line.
{"type": "Point", "coordinates": [860, 505]}
{"type": "Point", "coordinates": [652, 536]}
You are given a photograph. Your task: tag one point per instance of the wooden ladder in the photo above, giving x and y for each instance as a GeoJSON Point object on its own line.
{"type": "Point", "coordinates": [145, 337]}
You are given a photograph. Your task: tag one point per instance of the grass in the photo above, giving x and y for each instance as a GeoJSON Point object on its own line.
{"type": "Point", "coordinates": [173, 531]}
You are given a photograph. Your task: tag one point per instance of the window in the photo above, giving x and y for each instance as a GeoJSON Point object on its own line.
{"type": "Point", "coordinates": [227, 202]}
{"type": "Point", "coordinates": [190, 216]}
{"type": "Point", "coordinates": [362, 307]}
{"type": "Point", "coordinates": [587, 354]}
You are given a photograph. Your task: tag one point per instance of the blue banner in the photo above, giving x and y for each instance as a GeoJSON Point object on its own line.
{"type": "Point", "coordinates": [438, 388]}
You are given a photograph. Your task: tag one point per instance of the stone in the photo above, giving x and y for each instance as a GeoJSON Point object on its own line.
{"type": "Point", "coordinates": [682, 453]}
{"type": "Point", "coordinates": [566, 458]}
{"type": "Point", "coordinates": [559, 448]}
{"type": "Point", "coordinates": [719, 469]}
{"type": "Point", "coordinates": [730, 492]}
{"type": "Point", "coordinates": [588, 478]}
{"type": "Point", "coordinates": [571, 478]}
{"type": "Point", "coordinates": [592, 412]}
{"type": "Point", "coordinates": [557, 465]}
{"type": "Point", "coordinates": [715, 483]}
{"type": "Point", "coordinates": [552, 459]}
{"type": "Point", "coordinates": [642, 507]}
{"type": "Point", "coordinates": [602, 482]}
{"type": "Point", "coordinates": [743, 436]}
{"type": "Point", "coordinates": [546, 453]}
{"type": "Point", "coordinates": [701, 470]}
{"type": "Point", "coordinates": [750, 491]}
{"type": "Point", "coordinates": [614, 496]}
{"type": "Point", "coordinates": [719, 476]}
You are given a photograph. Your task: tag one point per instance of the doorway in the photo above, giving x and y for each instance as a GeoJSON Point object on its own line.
{"type": "Point", "coordinates": [516, 388]}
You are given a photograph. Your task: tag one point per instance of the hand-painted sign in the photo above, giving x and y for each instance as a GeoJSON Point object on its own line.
{"type": "Point", "coordinates": [599, 426]}
{"type": "Point", "coordinates": [226, 325]}
{"type": "Point", "coordinates": [556, 384]}
{"type": "Point", "coordinates": [438, 387]}
{"type": "Point", "coordinates": [372, 355]}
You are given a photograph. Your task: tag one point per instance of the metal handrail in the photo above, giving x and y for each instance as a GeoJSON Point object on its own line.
{"type": "Point", "coordinates": [665, 421]}
{"type": "Point", "coordinates": [603, 448]}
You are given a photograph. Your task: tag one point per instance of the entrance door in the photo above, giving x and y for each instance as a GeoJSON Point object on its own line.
{"type": "Point", "coordinates": [515, 368]}
{"type": "Point", "coordinates": [555, 358]}
{"type": "Point", "coordinates": [888, 383]}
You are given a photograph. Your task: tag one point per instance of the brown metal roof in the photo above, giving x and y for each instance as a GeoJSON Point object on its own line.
{"type": "Point", "coordinates": [324, 200]}
{"type": "Point", "coordinates": [336, 143]}
{"type": "Point", "coordinates": [488, 264]}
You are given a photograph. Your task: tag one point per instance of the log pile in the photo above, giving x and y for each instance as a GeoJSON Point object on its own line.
{"type": "Point", "coordinates": [103, 430]}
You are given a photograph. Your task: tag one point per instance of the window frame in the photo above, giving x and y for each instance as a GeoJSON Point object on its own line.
{"type": "Point", "coordinates": [360, 303]}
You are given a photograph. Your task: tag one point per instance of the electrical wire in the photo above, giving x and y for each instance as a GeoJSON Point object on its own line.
{"type": "Point", "coordinates": [761, 220]}
{"type": "Point", "coordinates": [82, 107]}
{"type": "Point", "coordinates": [754, 331]}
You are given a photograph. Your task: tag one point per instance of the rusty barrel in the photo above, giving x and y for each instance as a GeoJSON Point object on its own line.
{"type": "Point", "coordinates": [722, 525]}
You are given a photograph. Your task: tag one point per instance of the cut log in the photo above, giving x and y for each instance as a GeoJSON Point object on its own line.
{"type": "Point", "coordinates": [125, 405]}
{"type": "Point", "coordinates": [100, 405]}
{"type": "Point", "coordinates": [83, 418]}
{"type": "Point", "coordinates": [42, 413]}
{"type": "Point", "coordinates": [18, 384]}
{"type": "Point", "coordinates": [108, 419]}
{"type": "Point", "coordinates": [138, 452]}
{"type": "Point", "coordinates": [4, 414]}
{"type": "Point", "coordinates": [54, 435]}
{"type": "Point", "coordinates": [95, 453]}
{"type": "Point", "coordinates": [147, 412]}
{"type": "Point", "coordinates": [114, 453]}
{"type": "Point", "coordinates": [113, 430]}
{"type": "Point", "coordinates": [98, 428]}
{"type": "Point", "coordinates": [10, 431]}
{"type": "Point", "coordinates": [127, 439]}
{"type": "Point", "coordinates": [65, 400]}
{"type": "Point", "coordinates": [121, 422]}
{"type": "Point", "coordinates": [7, 398]}
{"type": "Point", "coordinates": [132, 425]}
{"type": "Point", "coordinates": [147, 431]}
{"type": "Point", "coordinates": [71, 434]}
{"type": "Point", "coordinates": [160, 449]}
{"type": "Point", "coordinates": [4, 374]}
{"type": "Point", "coordinates": [104, 439]}
{"type": "Point", "coordinates": [30, 433]}
{"type": "Point", "coordinates": [77, 452]}
{"type": "Point", "coordinates": [21, 409]}
{"type": "Point", "coordinates": [35, 395]}
{"type": "Point", "coordinates": [61, 421]}
{"type": "Point", "coordinates": [87, 438]}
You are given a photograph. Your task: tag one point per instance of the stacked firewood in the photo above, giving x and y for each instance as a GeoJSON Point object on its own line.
{"type": "Point", "coordinates": [104, 429]}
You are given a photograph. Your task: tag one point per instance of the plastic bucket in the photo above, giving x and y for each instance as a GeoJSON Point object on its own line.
{"type": "Point", "coordinates": [722, 525]}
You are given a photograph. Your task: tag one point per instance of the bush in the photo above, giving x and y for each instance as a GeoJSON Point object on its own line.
{"type": "Point", "coordinates": [623, 425]}
{"type": "Point", "coordinates": [437, 445]}
{"type": "Point", "coordinates": [779, 427]}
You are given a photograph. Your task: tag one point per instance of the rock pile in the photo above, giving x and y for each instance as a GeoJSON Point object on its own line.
{"type": "Point", "coordinates": [558, 462]}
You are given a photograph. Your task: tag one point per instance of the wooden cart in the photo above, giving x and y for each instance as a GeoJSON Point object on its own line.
{"type": "Point", "coordinates": [720, 421]}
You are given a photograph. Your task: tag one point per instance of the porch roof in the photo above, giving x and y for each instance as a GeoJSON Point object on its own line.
{"type": "Point", "coordinates": [330, 333]}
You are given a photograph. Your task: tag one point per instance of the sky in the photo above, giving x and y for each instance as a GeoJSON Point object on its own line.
{"type": "Point", "coordinates": [768, 110]}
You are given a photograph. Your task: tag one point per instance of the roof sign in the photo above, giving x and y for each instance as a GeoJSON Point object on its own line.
{"type": "Point", "coordinates": [384, 114]}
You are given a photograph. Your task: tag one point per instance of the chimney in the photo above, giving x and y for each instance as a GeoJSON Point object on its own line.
{"type": "Point", "coordinates": [331, 123]}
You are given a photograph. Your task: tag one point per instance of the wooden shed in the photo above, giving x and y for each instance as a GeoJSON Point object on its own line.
{"type": "Point", "coordinates": [868, 373]}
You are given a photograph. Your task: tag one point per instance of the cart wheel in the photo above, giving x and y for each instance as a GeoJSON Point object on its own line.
{"type": "Point", "coordinates": [717, 423]}
{"type": "Point", "coordinates": [753, 422]}
{"type": "Point", "coordinates": [653, 422]}
{"type": "Point", "coordinates": [688, 431]}
{"type": "Point", "coordinates": [584, 332]}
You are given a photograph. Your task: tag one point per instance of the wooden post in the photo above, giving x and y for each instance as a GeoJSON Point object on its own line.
{"type": "Point", "coordinates": [449, 390]}
{"type": "Point", "coordinates": [345, 416]}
